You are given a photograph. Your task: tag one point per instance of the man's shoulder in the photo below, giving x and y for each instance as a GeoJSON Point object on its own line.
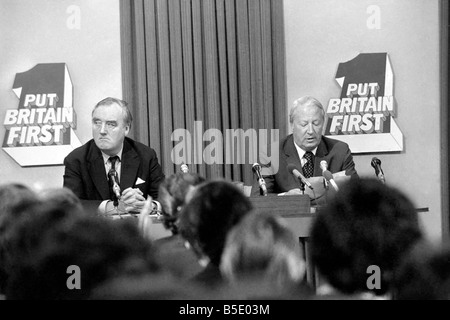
{"type": "Point", "coordinates": [81, 151]}
{"type": "Point", "coordinates": [139, 147]}
{"type": "Point", "coordinates": [334, 143]}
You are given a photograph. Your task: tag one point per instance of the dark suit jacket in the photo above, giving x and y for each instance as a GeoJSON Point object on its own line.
{"type": "Point", "coordinates": [336, 153]}
{"type": "Point", "coordinates": [85, 172]}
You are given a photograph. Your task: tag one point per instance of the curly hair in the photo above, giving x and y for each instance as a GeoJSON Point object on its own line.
{"type": "Point", "coordinates": [172, 195]}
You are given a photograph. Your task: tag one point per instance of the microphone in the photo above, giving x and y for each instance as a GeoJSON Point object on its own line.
{"type": "Point", "coordinates": [112, 174]}
{"type": "Point", "coordinates": [184, 168]}
{"type": "Point", "coordinates": [376, 164]}
{"type": "Point", "coordinates": [328, 175]}
{"type": "Point", "coordinates": [292, 169]}
{"type": "Point", "coordinates": [262, 183]}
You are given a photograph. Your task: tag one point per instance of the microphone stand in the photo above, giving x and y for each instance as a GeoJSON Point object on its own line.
{"type": "Point", "coordinates": [302, 187]}
{"type": "Point", "coordinates": [326, 185]}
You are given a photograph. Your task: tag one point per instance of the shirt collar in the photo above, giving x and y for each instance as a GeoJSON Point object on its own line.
{"type": "Point", "coordinates": [106, 157]}
{"type": "Point", "coordinates": [302, 152]}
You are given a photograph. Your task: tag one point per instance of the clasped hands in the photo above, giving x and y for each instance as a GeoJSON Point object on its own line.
{"type": "Point", "coordinates": [131, 201]}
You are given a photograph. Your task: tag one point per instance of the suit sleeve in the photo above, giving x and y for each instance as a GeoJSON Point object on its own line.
{"type": "Point", "coordinates": [156, 175]}
{"type": "Point", "coordinates": [348, 164]}
{"type": "Point", "coordinates": [72, 177]}
{"type": "Point", "coordinates": [72, 180]}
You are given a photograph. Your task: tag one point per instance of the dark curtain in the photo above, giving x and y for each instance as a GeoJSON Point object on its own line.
{"type": "Point", "coordinates": [193, 65]}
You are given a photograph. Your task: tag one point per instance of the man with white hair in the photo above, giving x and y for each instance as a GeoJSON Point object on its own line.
{"type": "Point", "coordinates": [306, 147]}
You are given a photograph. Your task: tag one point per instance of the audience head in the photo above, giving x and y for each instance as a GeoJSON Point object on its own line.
{"type": "Point", "coordinates": [307, 118]}
{"type": "Point", "coordinates": [366, 224]}
{"type": "Point", "coordinates": [53, 239]}
{"type": "Point", "coordinates": [214, 208]}
{"type": "Point", "coordinates": [61, 196]}
{"type": "Point", "coordinates": [262, 247]}
{"type": "Point", "coordinates": [172, 196]}
{"type": "Point", "coordinates": [424, 274]}
{"type": "Point", "coordinates": [14, 199]}
{"type": "Point", "coordinates": [111, 122]}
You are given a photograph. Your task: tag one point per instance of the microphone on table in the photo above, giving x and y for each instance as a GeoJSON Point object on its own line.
{"type": "Point", "coordinates": [328, 175]}
{"type": "Point", "coordinates": [184, 168]}
{"type": "Point", "coordinates": [262, 183]}
{"type": "Point", "coordinates": [113, 180]}
{"type": "Point", "coordinates": [376, 164]}
{"type": "Point", "coordinates": [292, 169]}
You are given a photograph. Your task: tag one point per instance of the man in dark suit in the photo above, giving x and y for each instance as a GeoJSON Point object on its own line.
{"type": "Point", "coordinates": [305, 148]}
{"type": "Point", "coordinates": [88, 168]}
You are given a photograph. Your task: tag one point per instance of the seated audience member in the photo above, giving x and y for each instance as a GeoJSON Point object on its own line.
{"type": "Point", "coordinates": [305, 148]}
{"type": "Point", "coordinates": [63, 253]}
{"type": "Point", "coordinates": [62, 196]}
{"type": "Point", "coordinates": [366, 224]}
{"type": "Point", "coordinates": [171, 252]}
{"type": "Point", "coordinates": [213, 209]}
{"type": "Point", "coordinates": [424, 274]}
{"type": "Point", "coordinates": [14, 198]}
{"type": "Point", "coordinates": [262, 259]}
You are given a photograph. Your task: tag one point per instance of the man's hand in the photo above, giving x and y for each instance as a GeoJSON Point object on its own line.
{"type": "Point", "coordinates": [132, 200]}
{"type": "Point", "coordinates": [293, 192]}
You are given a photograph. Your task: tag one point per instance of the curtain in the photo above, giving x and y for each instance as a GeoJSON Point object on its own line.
{"type": "Point", "coordinates": [204, 80]}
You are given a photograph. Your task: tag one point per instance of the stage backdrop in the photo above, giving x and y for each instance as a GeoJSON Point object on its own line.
{"type": "Point", "coordinates": [83, 34]}
{"type": "Point", "coordinates": [321, 34]}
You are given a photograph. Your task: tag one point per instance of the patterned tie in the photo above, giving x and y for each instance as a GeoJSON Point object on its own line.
{"type": "Point", "coordinates": [113, 172]}
{"type": "Point", "coordinates": [308, 168]}
{"type": "Point", "coordinates": [113, 162]}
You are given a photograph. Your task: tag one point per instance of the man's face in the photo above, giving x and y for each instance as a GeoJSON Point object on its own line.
{"type": "Point", "coordinates": [307, 127]}
{"type": "Point", "coordinates": [108, 128]}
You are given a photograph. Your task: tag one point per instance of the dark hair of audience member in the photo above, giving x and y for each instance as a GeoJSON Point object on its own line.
{"type": "Point", "coordinates": [14, 199]}
{"type": "Point", "coordinates": [62, 196]}
{"type": "Point", "coordinates": [215, 207]}
{"type": "Point", "coordinates": [172, 195]}
{"type": "Point", "coordinates": [54, 238]}
{"type": "Point", "coordinates": [367, 223]}
{"type": "Point", "coordinates": [424, 274]}
{"type": "Point", "coordinates": [262, 249]}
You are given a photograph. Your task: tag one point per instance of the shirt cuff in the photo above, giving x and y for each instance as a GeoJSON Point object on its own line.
{"type": "Point", "coordinates": [102, 207]}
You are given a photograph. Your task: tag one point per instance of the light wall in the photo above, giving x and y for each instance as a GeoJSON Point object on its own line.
{"type": "Point", "coordinates": [84, 34]}
{"type": "Point", "coordinates": [320, 34]}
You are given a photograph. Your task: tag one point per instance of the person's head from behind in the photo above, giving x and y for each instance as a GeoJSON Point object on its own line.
{"type": "Point", "coordinates": [214, 208]}
{"type": "Point", "coordinates": [172, 196]}
{"type": "Point", "coordinates": [307, 118]}
{"type": "Point", "coordinates": [424, 274]}
{"type": "Point", "coordinates": [56, 248]}
{"type": "Point", "coordinates": [262, 247]}
{"type": "Point", "coordinates": [61, 196]}
{"type": "Point", "coordinates": [15, 198]}
{"type": "Point", "coordinates": [111, 122]}
{"type": "Point", "coordinates": [366, 224]}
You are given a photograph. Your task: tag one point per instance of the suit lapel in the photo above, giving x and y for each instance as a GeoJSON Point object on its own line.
{"type": "Point", "coordinates": [322, 151]}
{"type": "Point", "coordinates": [97, 171]}
{"type": "Point", "coordinates": [291, 153]}
{"type": "Point", "coordinates": [129, 167]}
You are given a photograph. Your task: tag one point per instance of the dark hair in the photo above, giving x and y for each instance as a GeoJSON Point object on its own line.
{"type": "Point", "coordinates": [62, 196]}
{"type": "Point", "coordinates": [424, 274]}
{"type": "Point", "coordinates": [172, 196]}
{"type": "Point", "coordinates": [215, 207]}
{"type": "Point", "coordinates": [52, 239]}
{"type": "Point", "coordinates": [15, 198]}
{"type": "Point", "coordinates": [366, 223]}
